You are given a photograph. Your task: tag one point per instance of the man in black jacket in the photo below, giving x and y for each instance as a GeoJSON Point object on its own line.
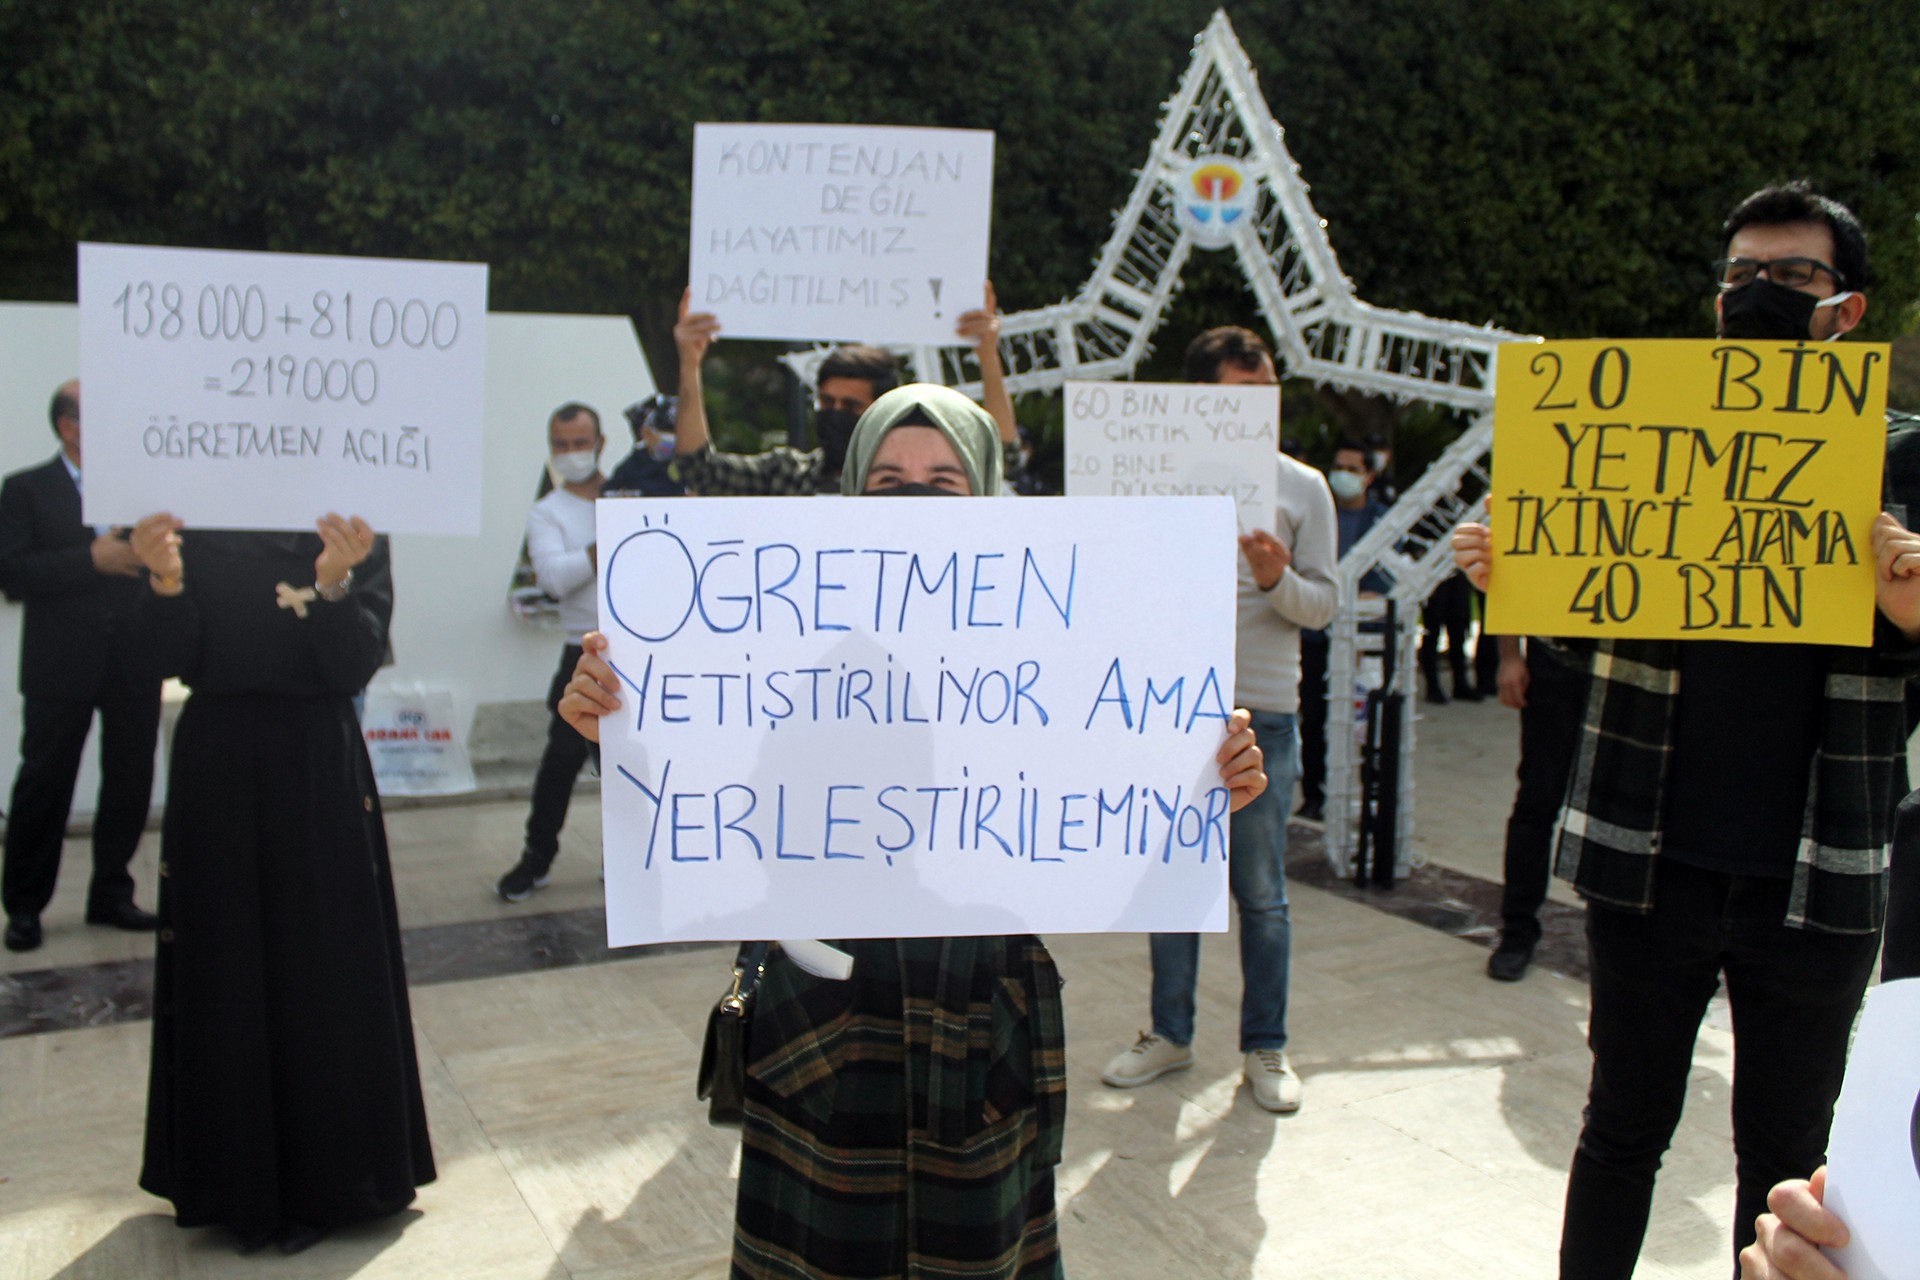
{"type": "Point", "coordinates": [79, 586]}
{"type": "Point", "coordinates": [1729, 815]}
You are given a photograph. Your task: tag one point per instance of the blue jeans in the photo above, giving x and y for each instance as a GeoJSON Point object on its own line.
{"type": "Point", "coordinates": [1257, 874]}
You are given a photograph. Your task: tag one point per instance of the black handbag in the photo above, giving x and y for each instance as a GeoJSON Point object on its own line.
{"type": "Point", "coordinates": [722, 1083]}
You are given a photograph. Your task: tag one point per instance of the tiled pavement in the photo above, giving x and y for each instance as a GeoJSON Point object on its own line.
{"type": "Point", "coordinates": [1441, 1108]}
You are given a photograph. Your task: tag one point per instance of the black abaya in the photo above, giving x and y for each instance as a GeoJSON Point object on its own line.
{"type": "Point", "coordinates": [284, 1087]}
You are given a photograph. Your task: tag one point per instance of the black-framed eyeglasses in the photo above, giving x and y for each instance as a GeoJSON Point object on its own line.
{"type": "Point", "coordinates": [1790, 273]}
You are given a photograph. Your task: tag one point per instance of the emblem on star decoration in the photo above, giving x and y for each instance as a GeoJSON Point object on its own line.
{"type": "Point", "coordinates": [1216, 192]}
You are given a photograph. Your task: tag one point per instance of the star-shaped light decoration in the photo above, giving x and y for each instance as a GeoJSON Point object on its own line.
{"type": "Point", "coordinates": [1219, 177]}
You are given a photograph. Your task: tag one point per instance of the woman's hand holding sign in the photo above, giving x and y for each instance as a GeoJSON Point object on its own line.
{"type": "Point", "coordinates": [594, 690]}
{"type": "Point", "coordinates": [156, 540]}
{"type": "Point", "coordinates": [345, 543]}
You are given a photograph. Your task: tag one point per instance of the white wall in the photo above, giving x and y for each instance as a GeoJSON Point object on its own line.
{"type": "Point", "coordinates": [451, 623]}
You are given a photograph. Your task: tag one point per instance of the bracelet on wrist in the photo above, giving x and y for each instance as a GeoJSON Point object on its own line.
{"type": "Point", "coordinates": [335, 593]}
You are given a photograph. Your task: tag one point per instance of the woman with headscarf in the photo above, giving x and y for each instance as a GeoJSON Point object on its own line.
{"type": "Point", "coordinates": [905, 1121]}
{"type": "Point", "coordinates": [284, 1098]}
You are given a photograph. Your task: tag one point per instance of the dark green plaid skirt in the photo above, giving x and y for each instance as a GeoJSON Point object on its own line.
{"type": "Point", "coordinates": [906, 1121]}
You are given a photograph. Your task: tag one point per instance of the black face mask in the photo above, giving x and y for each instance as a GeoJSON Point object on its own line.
{"type": "Point", "coordinates": [911, 491]}
{"type": "Point", "coordinates": [1764, 311]}
{"type": "Point", "coordinates": [833, 429]}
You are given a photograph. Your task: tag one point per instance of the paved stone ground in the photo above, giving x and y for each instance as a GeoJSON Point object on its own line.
{"type": "Point", "coordinates": [1440, 1113]}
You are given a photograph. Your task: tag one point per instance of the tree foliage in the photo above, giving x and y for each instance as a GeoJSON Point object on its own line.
{"type": "Point", "coordinates": [1555, 166]}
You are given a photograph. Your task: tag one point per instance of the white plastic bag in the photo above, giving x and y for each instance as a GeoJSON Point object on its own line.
{"type": "Point", "coordinates": [417, 741]}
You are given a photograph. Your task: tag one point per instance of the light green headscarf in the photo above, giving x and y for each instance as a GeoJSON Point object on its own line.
{"type": "Point", "coordinates": [968, 427]}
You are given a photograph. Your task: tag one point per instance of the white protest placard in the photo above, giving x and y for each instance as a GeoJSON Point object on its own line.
{"type": "Point", "coordinates": [1174, 438]}
{"type": "Point", "coordinates": [263, 390]}
{"type": "Point", "coordinates": [914, 718]}
{"type": "Point", "coordinates": [1873, 1154]}
{"type": "Point", "coordinates": [840, 232]}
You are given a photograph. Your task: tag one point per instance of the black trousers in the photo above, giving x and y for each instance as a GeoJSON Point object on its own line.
{"type": "Point", "coordinates": [1549, 736]}
{"type": "Point", "coordinates": [1793, 994]}
{"type": "Point", "coordinates": [1313, 717]}
{"type": "Point", "coordinates": [1901, 956]}
{"type": "Point", "coordinates": [1449, 609]}
{"type": "Point", "coordinates": [53, 733]}
{"type": "Point", "coordinates": [560, 765]}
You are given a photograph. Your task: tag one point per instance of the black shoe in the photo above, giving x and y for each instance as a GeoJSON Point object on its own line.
{"type": "Point", "coordinates": [123, 915]}
{"type": "Point", "coordinates": [528, 874]}
{"type": "Point", "coordinates": [298, 1237]}
{"type": "Point", "coordinates": [1311, 810]}
{"type": "Point", "coordinates": [23, 933]}
{"type": "Point", "coordinates": [1463, 692]}
{"type": "Point", "coordinates": [248, 1243]}
{"type": "Point", "coordinates": [1435, 694]}
{"type": "Point", "coordinates": [1509, 963]}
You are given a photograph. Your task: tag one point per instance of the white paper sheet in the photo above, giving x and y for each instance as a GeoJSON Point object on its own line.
{"type": "Point", "coordinates": [1176, 438]}
{"type": "Point", "coordinates": [840, 232]}
{"type": "Point", "coordinates": [1873, 1155]}
{"type": "Point", "coordinates": [263, 390]}
{"type": "Point", "coordinates": [917, 717]}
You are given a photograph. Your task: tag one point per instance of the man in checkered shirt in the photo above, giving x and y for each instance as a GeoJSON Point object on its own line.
{"type": "Point", "coordinates": [1729, 814]}
{"type": "Point", "coordinates": [850, 378]}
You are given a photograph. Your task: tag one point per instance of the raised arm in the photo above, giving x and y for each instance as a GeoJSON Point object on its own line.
{"type": "Point", "coordinates": [982, 328]}
{"type": "Point", "coordinates": [693, 333]}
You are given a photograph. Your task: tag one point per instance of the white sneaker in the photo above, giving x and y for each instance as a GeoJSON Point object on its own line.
{"type": "Point", "coordinates": [1272, 1079]}
{"type": "Point", "coordinates": [1150, 1058]}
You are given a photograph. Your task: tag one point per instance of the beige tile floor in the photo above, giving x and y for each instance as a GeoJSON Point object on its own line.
{"type": "Point", "coordinates": [1440, 1108]}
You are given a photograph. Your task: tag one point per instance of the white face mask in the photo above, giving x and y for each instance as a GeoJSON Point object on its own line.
{"type": "Point", "coordinates": [1834, 301]}
{"type": "Point", "coordinates": [575, 467]}
{"type": "Point", "coordinates": [1346, 486]}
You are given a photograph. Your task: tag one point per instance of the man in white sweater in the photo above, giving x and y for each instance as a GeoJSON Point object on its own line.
{"type": "Point", "coordinates": [560, 542]}
{"type": "Point", "coordinates": [1285, 584]}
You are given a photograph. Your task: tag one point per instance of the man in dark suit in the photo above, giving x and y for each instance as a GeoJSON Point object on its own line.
{"type": "Point", "coordinates": [80, 587]}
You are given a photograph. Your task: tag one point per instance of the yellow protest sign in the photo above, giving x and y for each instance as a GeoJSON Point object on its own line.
{"type": "Point", "coordinates": [1687, 489]}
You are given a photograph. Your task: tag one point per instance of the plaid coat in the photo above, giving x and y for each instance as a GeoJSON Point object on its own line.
{"type": "Point", "coordinates": [906, 1121]}
{"type": "Point", "coordinates": [1611, 823]}
{"type": "Point", "coordinates": [1610, 826]}
{"type": "Point", "coordinates": [781, 472]}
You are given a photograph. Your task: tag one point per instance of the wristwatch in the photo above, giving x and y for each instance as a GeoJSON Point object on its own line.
{"type": "Point", "coordinates": [335, 593]}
